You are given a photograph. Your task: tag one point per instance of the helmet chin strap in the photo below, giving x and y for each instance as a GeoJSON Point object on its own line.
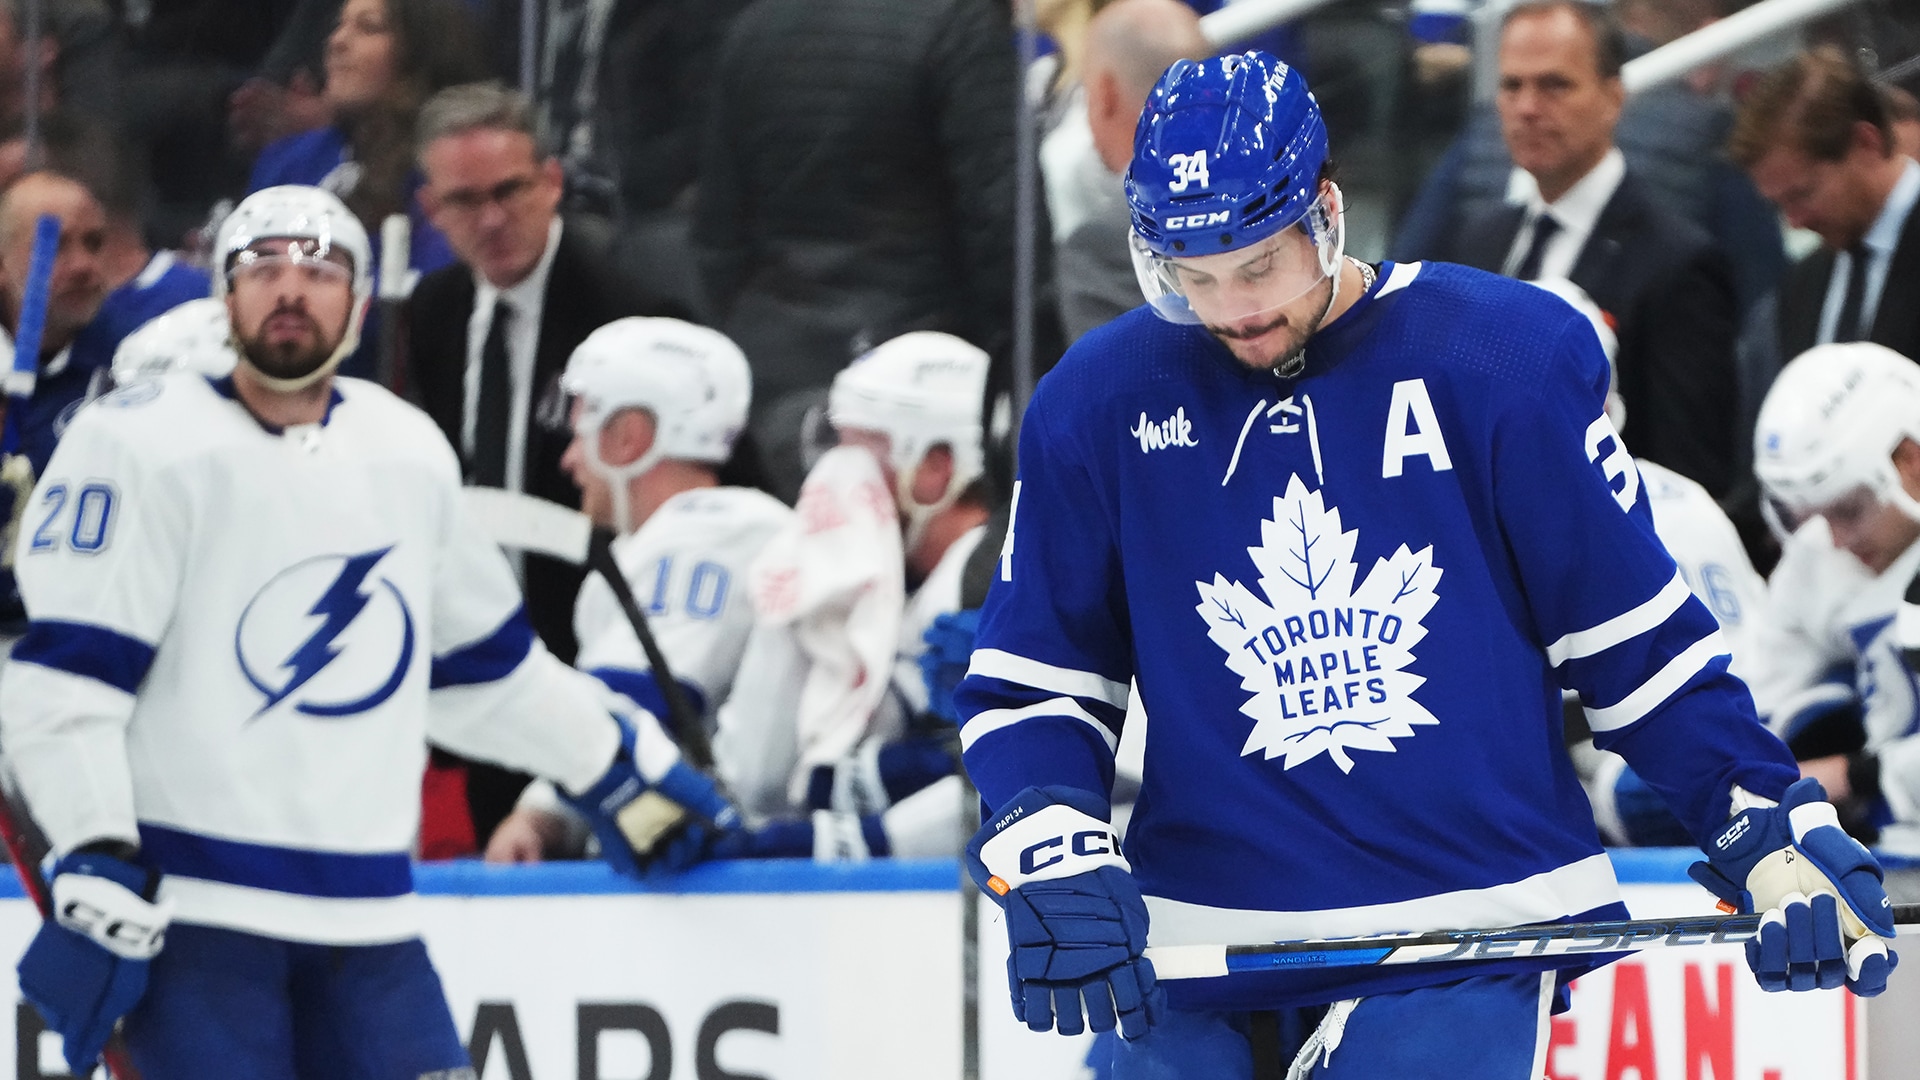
{"type": "Point", "coordinates": [619, 478]}
{"type": "Point", "coordinates": [920, 515]}
{"type": "Point", "coordinates": [349, 341]}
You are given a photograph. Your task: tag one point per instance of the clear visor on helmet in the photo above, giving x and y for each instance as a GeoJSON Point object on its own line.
{"type": "Point", "coordinates": [1231, 288]}
{"type": "Point", "coordinates": [1843, 513]}
{"type": "Point", "coordinates": [269, 259]}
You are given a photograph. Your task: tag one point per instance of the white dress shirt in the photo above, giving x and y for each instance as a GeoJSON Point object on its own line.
{"type": "Point", "coordinates": [1882, 237]}
{"type": "Point", "coordinates": [527, 299]}
{"type": "Point", "coordinates": [1576, 211]}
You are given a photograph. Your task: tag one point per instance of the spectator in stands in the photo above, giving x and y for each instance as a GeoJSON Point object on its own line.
{"type": "Point", "coordinates": [384, 58]}
{"type": "Point", "coordinates": [1903, 114]}
{"type": "Point", "coordinates": [857, 180]}
{"type": "Point", "coordinates": [1671, 136]}
{"type": "Point", "coordinates": [1589, 218]}
{"type": "Point", "coordinates": [623, 86]}
{"type": "Point", "coordinates": [1816, 136]}
{"type": "Point", "coordinates": [142, 282]}
{"type": "Point", "coordinates": [1128, 44]}
{"type": "Point", "coordinates": [489, 336]}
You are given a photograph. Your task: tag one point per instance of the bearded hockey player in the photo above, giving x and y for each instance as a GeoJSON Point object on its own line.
{"type": "Point", "coordinates": [1351, 529]}
{"type": "Point", "coordinates": [252, 600]}
{"type": "Point", "coordinates": [1837, 450]}
{"type": "Point", "coordinates": [655, 407]}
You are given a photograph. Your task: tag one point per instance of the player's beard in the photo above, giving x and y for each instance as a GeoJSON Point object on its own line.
{"type": "Point", "coordinates": [1297, 320]}
{"type": "Point", "coordinates": [289, 359]}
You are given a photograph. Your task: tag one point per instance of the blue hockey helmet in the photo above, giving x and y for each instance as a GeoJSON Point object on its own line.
{"type": "Point", "coordinates": [1228, 153]}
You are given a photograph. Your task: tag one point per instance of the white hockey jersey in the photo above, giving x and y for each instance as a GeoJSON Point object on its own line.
{"type": "Point", "coordinates": [242, 638]}
{"type": "Point", "coordinates": [1829, 617]}
{"type": "Point", "coordinates": [687, 567]}
{"type": "Point", "coordinates": [1711, 558]}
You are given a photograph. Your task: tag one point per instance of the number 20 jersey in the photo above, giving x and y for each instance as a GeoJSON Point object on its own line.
{"type": "Point", "coordinates": [1350, 601]}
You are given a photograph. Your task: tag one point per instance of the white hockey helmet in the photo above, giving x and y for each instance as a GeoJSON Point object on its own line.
{"type": "Point", "coordinates": [301, 223]}
{"type": "Point", "coordinates": [692, 379]}
{"type": "Point", "coordinates": [1603, 329]}
{"type": "Point", "coordinates": [192, 337]}
{"type": "Point", "coordinates": [1828, 429]}
{"type": "Point", "coordinates": [922, 389]}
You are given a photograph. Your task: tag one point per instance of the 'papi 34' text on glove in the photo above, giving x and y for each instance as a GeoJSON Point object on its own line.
{"type": "Point", "coordinates": [1076, 925]}
{"type": "Point", "coordinates": [87, 967]}
{"type": "Point", "coordinates": [1827, 918]}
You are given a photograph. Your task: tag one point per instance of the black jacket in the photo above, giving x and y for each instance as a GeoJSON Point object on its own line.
{"type": "Point", "coordinates": [857, 181]}
{"type": "Point", "coordinates": [1897, 322]}
{"type": "Point", "coordinates": [584, 292]}
{"type": "Point", "coordinates": [1670, 292]}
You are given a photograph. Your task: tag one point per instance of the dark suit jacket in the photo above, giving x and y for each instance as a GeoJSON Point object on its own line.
{"type": "Point", "coordinates": [1896, 325]}
{"type": "Point", "coordinates": [1670, 293]}
{"type": "Point", "coordinates": [584, 292]}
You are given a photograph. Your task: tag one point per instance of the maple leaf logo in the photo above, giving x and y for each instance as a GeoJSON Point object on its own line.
{"type": "Point", "coordinates": [1325, 662]}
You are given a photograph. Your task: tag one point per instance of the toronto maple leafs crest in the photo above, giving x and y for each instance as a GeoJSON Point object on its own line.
{"type": "Point", "coordinates": [1325, 663]}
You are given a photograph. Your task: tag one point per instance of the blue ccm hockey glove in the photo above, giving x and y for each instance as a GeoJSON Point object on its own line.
{"type": "Point", "coordinates": [1076, 926]}
{"type": "Point", "coordinates": [88, 964]}
{"type": "Point", "coordinates": [650, 808]}
{"type": "Point", "coordinates": [1827, 916]}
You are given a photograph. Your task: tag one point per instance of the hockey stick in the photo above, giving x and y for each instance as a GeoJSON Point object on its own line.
{"type": "Point", "coordinates": [528, 523]}
{"type": "Point", "coordinates": [24, 374]}
{"type": "Point", "coordinates": [1442, 946]}
{"type": "Point", "coordinates": [27, 848]}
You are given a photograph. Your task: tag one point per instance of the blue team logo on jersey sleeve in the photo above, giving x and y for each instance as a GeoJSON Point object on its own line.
{"type": "Point", "coordinates": [329, 634]}
{"type": "Point", "coordinates": [1325, 661]}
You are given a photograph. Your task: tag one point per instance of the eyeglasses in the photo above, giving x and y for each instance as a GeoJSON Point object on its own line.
{"type": "Point", "coordinates": [505, 193]}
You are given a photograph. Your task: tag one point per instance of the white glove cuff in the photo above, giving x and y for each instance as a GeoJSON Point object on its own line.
{"type": "Point", "coordinates": [1055, 842]}
{"type": "Point", "coordinates": [111, 915]}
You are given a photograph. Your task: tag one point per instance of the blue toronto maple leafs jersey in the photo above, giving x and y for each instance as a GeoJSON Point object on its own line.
{"type": "Point", "coordinates": [1350, 602]}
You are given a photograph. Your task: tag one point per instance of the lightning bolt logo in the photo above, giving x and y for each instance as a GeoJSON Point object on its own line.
{"type": "Point", "coordinates": [340, 604]}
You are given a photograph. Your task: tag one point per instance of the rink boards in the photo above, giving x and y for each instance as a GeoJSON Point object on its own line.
{"type": "Point", "coordinates": [788, 971]}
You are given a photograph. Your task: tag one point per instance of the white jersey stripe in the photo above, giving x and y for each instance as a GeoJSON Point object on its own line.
{"type": "Point", "coordinates": [312, 919]}
{"type": "Point", "coordinates": [994, 719]}
{"type": "Point", "coordinates": [998, 664]}
{"type": "Point", "coordinates": [1622, 627]}
{"type": "Point", "coordinates": [1658, 689]}
{"type": "Point", "coordinates": [1554, 894]}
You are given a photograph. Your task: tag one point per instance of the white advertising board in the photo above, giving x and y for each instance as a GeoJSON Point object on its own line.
{"type": "Point", "coordinates": [793, 972]}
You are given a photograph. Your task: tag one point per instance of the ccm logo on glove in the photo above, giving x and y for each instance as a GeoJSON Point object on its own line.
{"type": "Point", "coordinates": [1053, 842]}
{"type": "Point", "coordinates": [1733, 833]}
{"type": "Point", "coordinates": [1085, 842]}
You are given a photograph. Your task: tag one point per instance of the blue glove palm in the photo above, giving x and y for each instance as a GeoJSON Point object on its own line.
{"type": "Point", "coordinates": [1076, 925]}
{"type": "Point", "coordinates": [1827, 914]}
{"type": "Point", "coordinates": [668, 822]}
{"type": "Point", "coordinates": [87, 966]}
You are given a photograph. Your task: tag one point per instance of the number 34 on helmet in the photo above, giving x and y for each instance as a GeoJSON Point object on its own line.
{"type": "Point", "coordinates": [1228, 156]}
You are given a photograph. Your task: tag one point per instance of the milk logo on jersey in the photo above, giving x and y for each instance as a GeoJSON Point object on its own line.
{"type": "Point", "coordinates": [331, 634]}
{"type": "Point", "coordinates": [1175, 430]}
{"type": "Point", "coordinates": [1324, 662]}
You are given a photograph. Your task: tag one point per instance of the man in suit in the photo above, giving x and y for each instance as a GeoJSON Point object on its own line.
{"type": "Point", "coordinates": [487, 339]}
{"type": "Point", "coordinates": [1583, 215]}
{"type": "Point", "coordinates": [1817, 138]}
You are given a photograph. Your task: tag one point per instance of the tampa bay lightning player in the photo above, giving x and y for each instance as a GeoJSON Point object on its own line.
{"type": "Point", "coordinates": [253, 599]}
{"type": "Point", "coordinates": [1351, 529]}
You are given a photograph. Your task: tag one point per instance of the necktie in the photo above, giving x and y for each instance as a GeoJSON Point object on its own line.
{"type": "Point", "coordinates": [1544, 227]}
{"type": "Point", "coordinates": [1848, 327]}
{"type": "Point", "coordinates": [495, 402]}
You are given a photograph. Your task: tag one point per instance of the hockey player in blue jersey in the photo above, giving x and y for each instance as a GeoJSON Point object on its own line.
{"type": "Point", "coordinates": [252, 600]}
{"type": "Point", "coordinates": [1350, 530]}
